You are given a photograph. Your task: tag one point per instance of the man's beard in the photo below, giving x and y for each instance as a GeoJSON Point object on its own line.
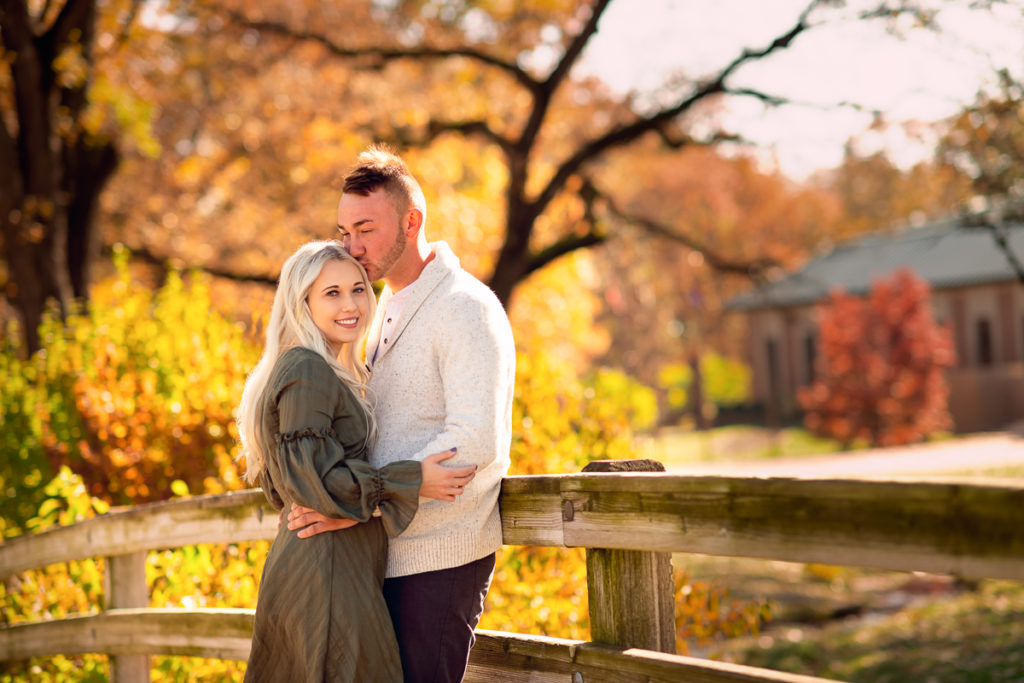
{"type": "Point", "coordinates": [392, 255]}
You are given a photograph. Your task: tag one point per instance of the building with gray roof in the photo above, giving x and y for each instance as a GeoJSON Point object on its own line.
{"type": "Point", "coordinates": [977, 282]}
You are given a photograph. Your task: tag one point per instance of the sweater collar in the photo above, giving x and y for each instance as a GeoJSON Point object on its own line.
{"type": "Point", "coordinates": [444, 264]}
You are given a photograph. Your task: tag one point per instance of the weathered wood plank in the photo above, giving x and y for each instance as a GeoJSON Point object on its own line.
{"type": "Point", "coordinates": [515, 658]}
{"type": "Point", "coordinates": [124, 586]}
{"type": "Point", "coordinates": [630, 592]}
{"type": "Point", "coordinates": [226, 634]}
{"type": "Point", "coordinates": [531, 510]}
{"type": "Point", "coordinates": [224, 518]}
{"type": "Point", "coordinates": [968, 530]}
{"type": "Point", "coordinates": [218, 633]}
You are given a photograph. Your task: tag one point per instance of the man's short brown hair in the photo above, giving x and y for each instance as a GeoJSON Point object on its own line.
{"type": "Point", "coordinates": [379, 167]}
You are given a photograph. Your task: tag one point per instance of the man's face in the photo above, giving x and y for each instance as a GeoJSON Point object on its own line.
{"type": "Point", "coordinates": [371, 231]}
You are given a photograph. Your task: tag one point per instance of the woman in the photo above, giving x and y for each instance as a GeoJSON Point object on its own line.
{"type": "Point", "coordinates": [305, 425]}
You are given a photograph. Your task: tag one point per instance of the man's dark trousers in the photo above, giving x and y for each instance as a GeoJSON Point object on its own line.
{"type": "Point", "coordinates": [434, 614]}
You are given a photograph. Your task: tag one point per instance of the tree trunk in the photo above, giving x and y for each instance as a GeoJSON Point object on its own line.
{"type": "Point", "coordinates": [94, 166]}
{"type": "Point", "coordinates": [513, 264]}
{"type": "Point", "coordinates": [51, 176]}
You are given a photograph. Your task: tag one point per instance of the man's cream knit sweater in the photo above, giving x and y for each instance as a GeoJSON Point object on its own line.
{"type": "Point", "coordinates": [445, 379]}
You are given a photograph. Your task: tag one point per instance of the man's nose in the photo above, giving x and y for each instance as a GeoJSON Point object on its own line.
{"type": "Point", "coordinates": [354, 245]}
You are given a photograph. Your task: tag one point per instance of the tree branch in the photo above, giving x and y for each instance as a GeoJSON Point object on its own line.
{"type": "Point", "coordinates": [436, 128]}
{"type": "Point", "coordinates": [385, 54]}
{"type": "Point", "coordinates": [995, 222]}
{"type": "Point", "coordinates": [543, 94]}
{"type": "Point", "coordinates": [167, 262]}
{"type": "Point", "coordinates": [756, 269]}
{"type": "Point", "coordinates": [561, 248]}
{"type": "Point", "coordinates": [72, 15]}
{"type": "Point", "coordinates": [128, 21]}
{"type": "Point", "coordinates": [628, 133]}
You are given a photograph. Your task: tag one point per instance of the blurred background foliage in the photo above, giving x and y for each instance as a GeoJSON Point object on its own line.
{"type": "Point", "coordinates": [196, 143]}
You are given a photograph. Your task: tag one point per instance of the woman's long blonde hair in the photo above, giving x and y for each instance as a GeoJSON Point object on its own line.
{"type": "Point", "coordinates": [291, 324]}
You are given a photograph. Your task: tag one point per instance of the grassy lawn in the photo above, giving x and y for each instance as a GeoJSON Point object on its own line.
{"type": "Point", "coordinates": [977, 636]}
{"type": "Point", "coordinates": [855, 625]}
{"type": "Point", "coordinates": [739, 442]}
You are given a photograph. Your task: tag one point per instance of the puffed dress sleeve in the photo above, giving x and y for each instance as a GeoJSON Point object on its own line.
{"type": "Point", "coordinates": [320, 448]}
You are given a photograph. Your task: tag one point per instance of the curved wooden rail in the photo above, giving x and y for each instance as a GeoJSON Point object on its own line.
{"type": "Point", "coordinates": [974, 531]}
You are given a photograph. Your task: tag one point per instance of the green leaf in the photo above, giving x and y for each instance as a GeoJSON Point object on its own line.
{"type": "Point", "coordinates": [179, 488]}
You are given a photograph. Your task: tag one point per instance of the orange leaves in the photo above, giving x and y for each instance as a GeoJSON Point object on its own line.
{"type": "Point", "coordinates": [880, 378]}
{"type": "Point", "coordinates": [705, 613]}
{"type": "Point", "coordinates": [141, 390]}
{"type": "Point", "coordinates": [539, 590]}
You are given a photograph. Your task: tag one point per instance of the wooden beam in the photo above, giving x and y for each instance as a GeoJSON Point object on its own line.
{"type": "Point", "coordinates": [630, 592]}
{"type": "Point", "coordinates": [222, 518]}
{"type": "Point", "coordinates": [507, 657]}
{"type": "Point", "coordinates": [219, 633]}
{"type": "Point", "coordinates": [972, 531]}
{"type": "Point", "coordinates": [531, 510]}
{"type": "Point", "coordinates": [515, 658]}
{"type": "Point", "coordinates": [124, 586]}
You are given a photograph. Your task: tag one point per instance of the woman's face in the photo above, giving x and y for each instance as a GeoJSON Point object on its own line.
{"type": "Point", "coordinates": [338, 302]}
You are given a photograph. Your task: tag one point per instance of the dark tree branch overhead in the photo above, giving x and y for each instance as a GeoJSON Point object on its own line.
{"type": "Point", "coordinates": [542, 95]}
{"type": "Point", "coordinates": [755, 269]}
{"type": "Point", "coordinates": [564, 246]}
{"type": "Point", "coordinates": [995, 221]}
{"type": "Point", "coordinates": [383, 54]}
{"type": "Point", "coordinates": [516, 260]}
{"type": "Point", "coordinates": [72, 16]}
{"type": "Point", "coordinates": [468, 128]}
{"type": "Point", "coordinates": [169, 262]}
{"type": "Point", "coordinates": [626, 134]}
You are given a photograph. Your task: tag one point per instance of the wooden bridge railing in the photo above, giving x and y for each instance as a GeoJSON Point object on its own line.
{"type": "Point", "coordinates": [628, 521]}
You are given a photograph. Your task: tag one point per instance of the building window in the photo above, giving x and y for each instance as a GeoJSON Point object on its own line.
{"type": "Point", "coordinates": [772, 353]}
{"type": "Point", "coordinates": [810, 356]}
{"type": "Point", "coordinates": [984, 338]}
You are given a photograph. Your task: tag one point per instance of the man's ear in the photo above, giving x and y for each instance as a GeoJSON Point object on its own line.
{"type": "Point", "coordinates": [414, 221]}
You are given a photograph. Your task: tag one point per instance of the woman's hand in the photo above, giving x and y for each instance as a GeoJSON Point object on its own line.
{"type": "Point", "coordinates": [309, 522]}
{"type": "Point", "coordinates": [441, 482]}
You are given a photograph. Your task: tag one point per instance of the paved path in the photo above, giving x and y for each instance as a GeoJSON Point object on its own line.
{"type": "Point", "coordinates": [982, 451]}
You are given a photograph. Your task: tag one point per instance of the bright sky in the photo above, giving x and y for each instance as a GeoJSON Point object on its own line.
{"type": "Point", "coordinates": [924, 77]}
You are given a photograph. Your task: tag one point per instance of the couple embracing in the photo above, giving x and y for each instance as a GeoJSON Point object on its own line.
{"type": "Point", "coordinates": [389, 469]}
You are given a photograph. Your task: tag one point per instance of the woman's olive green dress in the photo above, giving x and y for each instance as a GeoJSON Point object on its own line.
{"type": "Point", "coordinates": [320, 615]}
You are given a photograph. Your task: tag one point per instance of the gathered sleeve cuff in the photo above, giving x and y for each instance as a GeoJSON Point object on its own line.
{"type": "Point", "coordinates": [393, 489]}
{"type": "Point", "coordinates": [350, 488]}
{"type": "Point", "coordinates": [312, 466]}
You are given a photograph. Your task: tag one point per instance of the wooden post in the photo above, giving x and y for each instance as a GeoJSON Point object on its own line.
{"type": "Point", "coordinates": [630, 593]}
{"type": "Point", "coordinates": [125, 586]}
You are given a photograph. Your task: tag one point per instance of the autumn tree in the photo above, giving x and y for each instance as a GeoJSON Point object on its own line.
{"type": "Point", "coordinates": [665, 297]}
{"type": "Point", "coordinates": [256, 107]}
{"type": "Point", "coordinates": [55, 155]}
{"type": "Point", "coordinates": [877, 195]}
{"type": "Point", "coordinates": [986, 141]}
{"type": "Point", "coordinates": [546, 141]}
{"type": "Point", "coordinates": [880, 376]}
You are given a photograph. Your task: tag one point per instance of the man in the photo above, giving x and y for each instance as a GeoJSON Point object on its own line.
{"type": "Point", "coordinates": [443, 362]}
